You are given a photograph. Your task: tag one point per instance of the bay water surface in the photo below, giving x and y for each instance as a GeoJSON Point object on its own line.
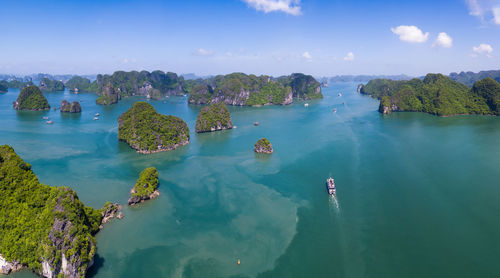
{"type": "Point", "coordinates": [417, 195]}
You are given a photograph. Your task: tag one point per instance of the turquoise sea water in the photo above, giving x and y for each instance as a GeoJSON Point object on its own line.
{"type": "Point", "coordinates": [417, 195]}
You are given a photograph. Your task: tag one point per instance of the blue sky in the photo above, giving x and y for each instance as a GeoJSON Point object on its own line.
{"type": "Point", "coordinates": [273, 37]}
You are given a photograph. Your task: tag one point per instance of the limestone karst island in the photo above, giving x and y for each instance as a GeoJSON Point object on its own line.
{"type": "Point", "coordinates": [249, 138]}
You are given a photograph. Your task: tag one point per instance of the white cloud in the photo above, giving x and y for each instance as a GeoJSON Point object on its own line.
{"type": "Point", "coordinates": [306, 55]}
{"type": "Point", "coordinates": [496, 15]}
{"type": "Point", "coordinates": [443, 40]}
{"type": "Point", "coordinates": [486, 10]}
{"type": "Point", "coordinates": [349, 56]}
{"type": "Point", "coordinates": [125, 61]}
{"type": "Point", "coordinates": [482, 49]}
{"type": "Point", "coordinates": [410, 34]}
{"type": "Point", "coordinates": [204, 52]}
{"type": "Point", "coordinates": [287, 6]}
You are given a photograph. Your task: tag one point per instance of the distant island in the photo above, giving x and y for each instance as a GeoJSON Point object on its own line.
{"type": "Point", "coordinates": [146, 187]}
{"type": "Point", "coordinates": [469, 78]}
{"type": "Point", "coordinates": [242, 89]}
{"type": "Point", "coordinates": [108, 95]}
{"type": "Point", "coordinates": [31, 98]}
{"type": "Point", "coordinates": [263, 146]}
{"type": "Point", "coordinates": [73, 107]}
{"type": "Point", "coordinates": [50, 85]}
{"type": "Point", "coordinates": [78, 83]}
{"type": "Point", "coordinates": [3, 88]}
{"type": "Point", "coordinates": [45, 229]}
{"type": "Point", "coordinates": [435, 94]}
{"type": "Point", "coordinates": [213, 117]}
{"type": "Point", "coordinates": [147, 131]}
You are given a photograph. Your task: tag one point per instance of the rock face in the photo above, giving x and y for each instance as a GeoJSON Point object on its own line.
{"type": "Point", "coordinates": [8, 267]}
{"type": "Point", "coordinates": [45, 229]}
{"type": "Point", "coordinates": [263, 146]}
{"type": "Point", "coordinates": [213, 117]}
{"type": "Point", "coordinates": [146, 187]}
{"type": "Point", "coordinates": [110, 211]}
{"type": "Point", "coordinates": [31, 98]}
{"type": "Point", "coordinates": [73, 107]}
{"type": "Point", "coordinates": [147, 131]}
{"type": "Point", "coordinates": [241, 89]}
{"type": "Point", "coordinates": [108, 95]}
{"type": "Point", "coordinates": [360, 87]}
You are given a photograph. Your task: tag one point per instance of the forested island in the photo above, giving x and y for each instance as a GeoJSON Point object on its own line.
{"type": "Point", "coordinates": [213, 117]}
{"type": "Point", "coordinates": [67, 107]}
{"type": "Point", "coordinates": [43, 228]}
{"type": "Point", "coordinates": [263, 146]}
{"type": "Point", "coordinates": [469, 78]}
{"type": "Point", "coordinates": [242, 89]}
{"type": "Point", "coordinates": [147, 131]}
{"type": "Point", "coordinates": [50, 85]}
{"type": "Point", "coordinates": [78, 83]}
{"type": "Point", "coordinates": [435, 94]}
{"type": "Point", "coordinates": [108, 95]}
{"type": "Point", "coordinates": [3, 88]}
{"type": "Point", "coordinates": [31, 98]}
{"type": "Point", "coordinates": [145, 188]}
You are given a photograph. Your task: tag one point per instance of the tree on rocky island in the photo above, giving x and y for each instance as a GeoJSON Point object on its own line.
{"type": "Point", "coordinates": [31, 98]}
{"type": "Point", "coordinates": [213, 117]}
{"type": "Point", "coordinates": [146, 187]}
{"type": "Point", "coordinates": [263, 146]}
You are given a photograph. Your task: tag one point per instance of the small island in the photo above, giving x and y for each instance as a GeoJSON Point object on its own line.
{"type": "Point", "coordinates": [213, 117]}
{"type": "Point", "coordinates": [73, 107]}
{"type": "Point", "coordinates": [31, 98]}
{"type": "Point", "coordinates": [263, 146]}
{"type": "Point", "coordinates": [3, 88]}
{"type": "Point", "coordinates": [44, 228]}
{"type": "Point", "coordinates": [146, 187]}
{"type": "Point", "coordinates": [147, 131]}
{"type": "Point", "coordinates": [108, 96]}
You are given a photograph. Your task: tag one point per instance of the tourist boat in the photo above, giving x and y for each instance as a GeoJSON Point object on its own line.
{"type": "Point", "coordinates": [330, 186]}
{"type": "Point", "coordinates": [334, 110]}
{"type": "Point", "coordinates": [45, 118]}
{"type": "Point", "coordinates": [96, 118]}
{"type": "Point", "coordinates": [340, 94]}
{"type": "Point", "coordinates": [96, 115]}
{"type": "Point", "coordinates": [256, 123]}
{"type": "Point", "coordinates": [49, 122]}
{"type": "Point", "coordinates": [306, 105]}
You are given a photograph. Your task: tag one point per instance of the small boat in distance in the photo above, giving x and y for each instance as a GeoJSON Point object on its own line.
{"type": "Point", "coordinates": [306, 105]}
{"type": "Point", "coordinates": [96, 118]}
{"type": "Point", "coordinates": [49, 122]}
{"type": "Point", "coordinates": [45, 118]}
{"type": "Point", "coordinates": [340, 94]}
{"type": "Point", "coordinates": [256, 123]}
{"type": "Point", "coordinates": [330, 186]}
{"type": "Point", "coordinates": [334, 110]}
{"type": "Point", "coordinates": [96, 115]}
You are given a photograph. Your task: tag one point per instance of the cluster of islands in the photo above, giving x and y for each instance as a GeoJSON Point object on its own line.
{"type": "Point", "coordinates": [51, 232]}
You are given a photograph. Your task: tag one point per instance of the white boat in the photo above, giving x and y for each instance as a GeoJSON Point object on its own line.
{"type": "Point", "coordinates": [96, 115]}
{"type": "Point", "coordinates": [96, 118]}
{"type": "Point", "coordinates": [45, 118]}
{"type": "Point", "coordinates": [49, 122]}
{"type": "Point", "coordinates": [340, 94]}
{"type": "Point", "coordinates": [334, 110]}
{"type": "Point", "coordinates": [306, 105]}
{"type": "Point", "coordinates": [330, 186]}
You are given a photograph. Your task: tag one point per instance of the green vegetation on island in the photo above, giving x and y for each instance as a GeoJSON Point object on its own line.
{"type": "Point", "coordinates": [31, 98]}
{"type": "Point", "coordinates": [213, 117]}
{"type": "Point", "coordinates": [3, 88]}
{"type": "Point", "coordinates": [242, 89]}
{"type": "Point", "coordinates": [145, 187]}
{"type": "Point", "coordinates": [46, 229]}
{"type": "Point", "coordinates": [263, 146]}
{"type": "Point", "coordinates": [78, 83]}
{"type": "Point", "coordinates": [108, 96]}
{"type": "Point", "coordinates": [51, 85]}
{"type": "Point", "coordinates": [435, 94]}
{"type": "Point", "coordinates": [73, 107]}
{"type": "Point", "coordinates": [15, 84]}
{"type": "Point", "coordinates": [147, 131]}
{"type": "Point", "coordinates": [469, 78]}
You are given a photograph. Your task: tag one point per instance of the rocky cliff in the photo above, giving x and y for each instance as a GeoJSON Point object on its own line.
{"type": "Point", "coordinates": [51, 85]}
{"type": "Point", "coordinates": [146, 187]}
{"type": "Point", "coordinates": [73, 107]}
{"type": "Point", "coordinates": [263, 146]}
{"type": "Point", "coordinates": [108, 95]}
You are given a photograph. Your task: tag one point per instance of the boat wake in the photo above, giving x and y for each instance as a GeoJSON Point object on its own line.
{"type": "Point", "coordinates": [333, 203]}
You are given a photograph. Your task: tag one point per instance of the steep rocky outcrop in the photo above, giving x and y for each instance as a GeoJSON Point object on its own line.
{"type": "Point", "coordinates": [108, 95]}
{"type": "Point", "coordinates": [45, 229]}
{"type": "Point", "coordinates": [146, 187]}
{"type": "Point", "coordinates": [263, 146]}
{"type": "Point", "coordinates": [360, 87]}
{"type": "Point", "coordinates": [213, 117]}
{"type": "Point", "coordinates": [31, 98]}
{"type": "Point", "coordinates": [147, 131]}
{"type": "Point", "coordinates": [73, 107]}
{"type": "Point", "coordinates": [110, 211]}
